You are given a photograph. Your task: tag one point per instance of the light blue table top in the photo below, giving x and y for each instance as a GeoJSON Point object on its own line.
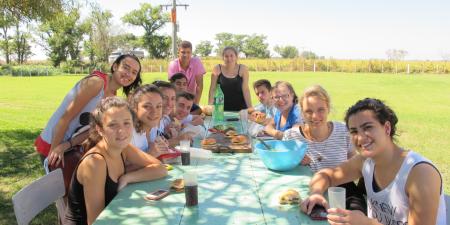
{"type": "Point", "coordinates": [233, 189]}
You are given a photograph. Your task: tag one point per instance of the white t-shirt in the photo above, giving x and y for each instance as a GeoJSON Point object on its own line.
{"type": "Point", "coordinates": [140, 139]}
{"type": "Point", "coordinates": [390, 205]}
{"type": "Point", "coordinates": [328, 153]}
{"type": "Point", "coordinates": [187, 119]}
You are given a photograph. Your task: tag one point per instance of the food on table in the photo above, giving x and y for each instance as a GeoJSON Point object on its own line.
{"type": "Point", "coordinates": [207, 109]}
{"type": "Point", "coordinates": [168, 166]}
{"type": "Point", "coordinates": [221, 128]}
{"type": "Point", "coordinates": [177, 185]}
{"type": "Point", "coordinates": [208, 141]}
{"type": "Point", "coordinates": [176, 122]}
{"type": "Point", "coordinates": [240, 139]}
{"type": "Point", "coordinates": [260, 117]}
{"type": "Point", "coordinates": [231, 133]}
{"type": "Point", "coordinates": [250, 110]}
{"type": "Point", "coordinates": [289, 196]}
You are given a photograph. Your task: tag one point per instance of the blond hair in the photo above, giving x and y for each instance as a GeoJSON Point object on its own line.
{"type": "Point", "coordinates": [317, 91]}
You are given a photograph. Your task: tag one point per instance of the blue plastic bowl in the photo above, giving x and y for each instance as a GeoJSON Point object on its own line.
{"type": "Point", "coordinates": [285, 155]}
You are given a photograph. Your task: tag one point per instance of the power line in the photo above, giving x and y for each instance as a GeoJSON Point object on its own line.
{"type": "Point", "coordinates": [174, 24]}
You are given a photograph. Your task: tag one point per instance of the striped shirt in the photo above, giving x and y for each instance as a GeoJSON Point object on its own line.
{"type": "Point", "coordinates": [328, 153]}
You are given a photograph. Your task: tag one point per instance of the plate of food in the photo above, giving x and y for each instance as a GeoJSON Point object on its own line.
{"type": "Point", "coordinates": [239, 140]}
{"type": "Point", "coordinates": [209, 143]}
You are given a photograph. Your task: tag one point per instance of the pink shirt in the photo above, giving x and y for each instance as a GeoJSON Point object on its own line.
{"type": "Point", "coordinates": [195, 69]}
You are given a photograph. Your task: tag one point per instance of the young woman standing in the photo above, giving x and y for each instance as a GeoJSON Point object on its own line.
{"type": "Point", "coordinates": [233, 80]}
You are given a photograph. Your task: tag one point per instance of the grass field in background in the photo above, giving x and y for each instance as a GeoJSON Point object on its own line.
{"type": "Point", "coordinates": [422, 103]}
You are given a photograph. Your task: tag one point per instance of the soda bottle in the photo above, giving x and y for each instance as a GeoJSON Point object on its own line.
{"type": "Point", "coordinates": [218, 105]}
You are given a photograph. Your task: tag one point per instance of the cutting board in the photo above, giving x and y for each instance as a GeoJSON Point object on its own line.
{"type": "Point", "coordinates": [224, 145]}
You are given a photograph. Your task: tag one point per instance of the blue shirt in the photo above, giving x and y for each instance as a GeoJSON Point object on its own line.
{"type": "Point", "coordinates": [294, 117]}
{"type": "Point", "coordinates": [268, 110]}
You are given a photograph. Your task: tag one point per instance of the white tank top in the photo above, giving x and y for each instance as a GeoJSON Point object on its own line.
{"type": "Point", "coordinates": [390, 205]}
{"type": "Point", "coordinates": [47, 133]}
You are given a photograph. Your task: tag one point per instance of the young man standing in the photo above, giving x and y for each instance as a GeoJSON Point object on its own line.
{"type": "Point", "coordinates": [190, 66]}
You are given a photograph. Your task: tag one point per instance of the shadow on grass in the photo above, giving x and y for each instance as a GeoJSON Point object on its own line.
{"type": "Point", "coordinates": [19, 166]}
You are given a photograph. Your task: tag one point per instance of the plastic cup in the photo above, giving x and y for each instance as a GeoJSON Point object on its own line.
{"type": "Point", "coordinates": [336, 197]}
{"type": "Point", "coordinates": [243, 114]}
{"type": "Point", "coordinates": [185, 146]}
{"type": "Point", "coordinates": [191, 188]}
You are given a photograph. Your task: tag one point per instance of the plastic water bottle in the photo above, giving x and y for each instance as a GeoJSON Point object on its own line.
{"type": "Point", "coordinates": [218, 105]}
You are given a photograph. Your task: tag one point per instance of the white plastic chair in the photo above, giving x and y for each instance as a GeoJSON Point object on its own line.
{"type": "Point", "coordinates": [37, 196]}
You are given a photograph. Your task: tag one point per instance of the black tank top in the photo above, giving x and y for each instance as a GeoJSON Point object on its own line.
{"type": "Point", "coordinates": [76, 207]}
{"type": "Point", "coordinates": [232, 91]}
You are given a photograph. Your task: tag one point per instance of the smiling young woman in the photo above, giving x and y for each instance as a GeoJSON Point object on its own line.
{"type": "Point", "coordinates": [102, 171]}
{"type": "Point", "coordinates": [402, 186]}
{"type": "Point", "coordinates": [328, 141]}
{"type": "Point", "coordinates": [80, 101]}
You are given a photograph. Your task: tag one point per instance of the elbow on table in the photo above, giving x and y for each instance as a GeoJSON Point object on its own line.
{"type": "Point", "coordinates": [160, 170]}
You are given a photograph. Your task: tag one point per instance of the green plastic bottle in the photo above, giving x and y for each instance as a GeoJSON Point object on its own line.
{"type": "Point", "coordinates": [218, 105]}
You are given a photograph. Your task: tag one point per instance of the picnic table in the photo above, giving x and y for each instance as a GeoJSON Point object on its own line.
{"type": "Point", "coordinates": [232, 189]}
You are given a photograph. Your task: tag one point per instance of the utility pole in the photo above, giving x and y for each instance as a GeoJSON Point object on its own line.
{"type": "Point", "coordinates": [174, 24]}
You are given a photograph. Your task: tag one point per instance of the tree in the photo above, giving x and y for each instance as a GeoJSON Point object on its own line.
{"type": "Point", "coordinates": [21, 44]}
{"type": "Point", "coordinates": [309, 55]}
{"type": "Point", "coordinates": [6, 22]}
{"type": "Point", "coordinates": [287, 51]}
{"type": "Point", "coordinates": [62, 36]}
{"type": "Point", "coordinates": [151, 19]}
{"type": "Point", "coordinates": [254, 47]}
{"type": "Point", "coordinates": [101, 42]}
{"type": "Point", "coordinates": [204, 48]}
{"type": "Point", "coordinates": [35, 9]}
{"type": "Point", "coordinates": [228, 39]}
{"type": "Point", "coordinates": [396, 54]}
{"type": "Point", "coordinates": [128, 41]}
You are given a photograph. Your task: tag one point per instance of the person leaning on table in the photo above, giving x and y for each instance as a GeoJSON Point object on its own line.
{"type": "Point", "coordinates": [288, 112]}
{"type": "Point", "coordinates": [101, 173]}
{"type": "Point", "coordinates": [80, 101]}
{"type": "Point", "coordinates": [328, 141]}
{"type": "Point", "coordinates": [402, 186]}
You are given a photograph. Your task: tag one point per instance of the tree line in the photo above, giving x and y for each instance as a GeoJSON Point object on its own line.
{"type": "Point", "coordinates": [57, 27]}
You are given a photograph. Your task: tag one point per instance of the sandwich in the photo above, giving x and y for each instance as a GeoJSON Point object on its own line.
{"type": "Point", "coordinates": [209, 143]}
{"type": "Point", "coordinates": [289, 196]}
{"type": "Point", "coordinates": [239, 139]}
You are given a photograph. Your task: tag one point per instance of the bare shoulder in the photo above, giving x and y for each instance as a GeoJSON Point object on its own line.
{"type": "Point", "coordinates": [424, 173]}
{"type": "Point", "coordinates": [244, 68]}
{"type": "Point", "coordinates": [91, 165]}
{"type": "Point", "coordinates": [216, 70]}
{"type": "Point", "coordinates": [93, 83]}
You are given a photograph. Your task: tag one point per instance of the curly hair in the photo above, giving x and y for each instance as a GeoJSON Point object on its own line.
{"type": "Point", "coordinates": [382, 112]}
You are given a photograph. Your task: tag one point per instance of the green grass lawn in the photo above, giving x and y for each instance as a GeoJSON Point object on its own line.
{"type": "Point", "coordinates": [422, 103]}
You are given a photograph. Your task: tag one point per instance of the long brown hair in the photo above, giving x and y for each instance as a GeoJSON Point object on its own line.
{"type": "Point", "coordinates": [96, 118]}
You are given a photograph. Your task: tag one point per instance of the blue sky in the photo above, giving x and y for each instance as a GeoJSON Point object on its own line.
{"type": "Point", "coordinates": [340, 29]}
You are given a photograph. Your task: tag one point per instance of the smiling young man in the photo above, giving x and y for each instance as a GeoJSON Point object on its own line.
{"type": "Point", "coordinates": [191, 67]}
{"type": "Point", "coordinates": [183, 107]}
{"type": "Point", "coordinates": [179, 81]}
{"type": "Point", "coordinates": [262, 90]}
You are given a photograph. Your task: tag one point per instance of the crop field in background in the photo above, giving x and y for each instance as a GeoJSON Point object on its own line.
{"type": "Point", "coordinates": [422, 103]}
